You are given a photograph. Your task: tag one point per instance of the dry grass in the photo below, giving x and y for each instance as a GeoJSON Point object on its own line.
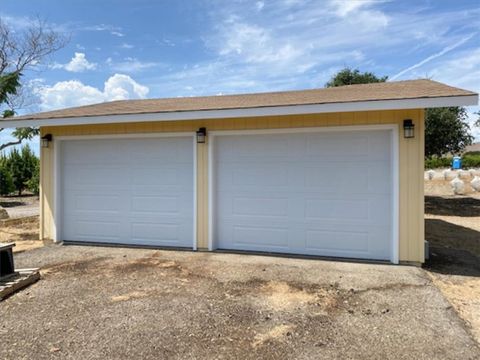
{"type": "Point", "coordinates": [22, 232]}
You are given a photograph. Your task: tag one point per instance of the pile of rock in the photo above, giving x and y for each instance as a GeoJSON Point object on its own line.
{"type": "Point", "coordinates": [457, 178]}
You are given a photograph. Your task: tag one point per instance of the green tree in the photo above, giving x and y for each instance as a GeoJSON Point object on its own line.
{"type": "Point", "coordinates": [446, 129]}
{"type": "Point", "coordinates": [6, 181]}
{"type": "Point", "coordinates": [33, 184]}
{"type": "Point", "coordinates": [349, 76]}
{"type": "Point", "coordinates": [21, 51]}
{"type": "Point", "coordinates": [15, 167]}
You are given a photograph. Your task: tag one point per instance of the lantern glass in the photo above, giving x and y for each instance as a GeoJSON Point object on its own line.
{"type": "Point", "coordinates": [408, 129]}
{"type": "Point", "coordinates": [45, 140]}
{"type": "Point", "coordinates": [201, 135]}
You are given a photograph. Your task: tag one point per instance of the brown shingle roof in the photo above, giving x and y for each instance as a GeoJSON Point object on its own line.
{"type": "Point", "coordinates": [399, 90]}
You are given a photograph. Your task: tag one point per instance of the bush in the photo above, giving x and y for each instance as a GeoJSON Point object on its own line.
{"type": "Point", "coordinates": [438, 162]}
{"type": "Point", "coordinates": [469, 160]}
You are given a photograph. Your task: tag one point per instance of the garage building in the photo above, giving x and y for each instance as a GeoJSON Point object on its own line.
{"type": "Point", "coordinates": [334, 172]}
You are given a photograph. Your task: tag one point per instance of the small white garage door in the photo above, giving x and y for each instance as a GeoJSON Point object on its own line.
{"type": "Point", "coordinates": [317, 193]}
{"type": "Point", "coordinates": [128, 191]}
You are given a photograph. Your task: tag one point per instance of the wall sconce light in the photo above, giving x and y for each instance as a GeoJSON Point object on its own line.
{"type": "Point", "coordinates": [408, 129]}
{"type": "Point", "coordinates": [45, 140]}
{"type": "Point", "coordinates": [201, 135]}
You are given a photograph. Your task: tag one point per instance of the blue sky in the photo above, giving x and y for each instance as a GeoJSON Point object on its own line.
{"type": "Point", "coordinates": [137, 49]}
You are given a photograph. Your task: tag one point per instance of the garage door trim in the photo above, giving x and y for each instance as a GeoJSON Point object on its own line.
{"type": "Point", "coordinates": [57, 170]}
{"type": "Point", "coordinates": [393, 128]}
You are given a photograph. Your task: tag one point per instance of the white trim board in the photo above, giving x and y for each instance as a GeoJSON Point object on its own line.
{"type": "Point", "coordinates": [419, 103]}
{"type": "Point", "coordinates": [394, 258]}
{"type": "Point", "coordinates": [57, 181]}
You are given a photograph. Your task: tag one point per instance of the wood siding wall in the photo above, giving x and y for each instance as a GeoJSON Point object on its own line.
{"type": "Point", "coordinates": [411, 157]}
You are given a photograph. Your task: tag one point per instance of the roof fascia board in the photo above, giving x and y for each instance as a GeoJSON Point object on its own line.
{"type": "Point", "coordinates": [420, 103]}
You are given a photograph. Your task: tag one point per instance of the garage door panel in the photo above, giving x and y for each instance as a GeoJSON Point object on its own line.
{"type": "Point", "coordinates": [155, 204]}
{"type": "Point", "coordinates": [133, 201]}
{"type": "Point", "coordinates": [336, 147]}
{"type": "Point", "coordinates": [93, 229]}
{"type": "Point", "coordinates": [334, 240]}
{"type": "Point", "coordinates": [344, 177]}
{"type": "Point", "coordinates": [260, 206]}
{"type": "Point", "coordinates": [98, 203]}
{"type": "Point", "coordinates": [337, 209]}
{"type": "Point", "coordinates": [93, 175]}
{"type": "Point", "coordinates": [322, 194]}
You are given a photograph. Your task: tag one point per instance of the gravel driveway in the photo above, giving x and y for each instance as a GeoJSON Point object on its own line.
{"type": "Point", "coordinates": [98, 303]}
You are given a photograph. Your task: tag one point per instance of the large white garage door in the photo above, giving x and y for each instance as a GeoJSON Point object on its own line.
{"type": "Point", "coordinates": [320, 193]}
{"type": "Point", "coordinates": [128, 191]}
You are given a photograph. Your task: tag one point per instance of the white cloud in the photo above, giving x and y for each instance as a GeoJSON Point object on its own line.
{"type": "Point", "coordinates": [114, 30]}
{"type": "Point", "coordinates": [78, 63]}
{"type": "Point", "coordinates": [126, 46]}
{"type": "Point", "coordinates": [75, 93]}
{"type": "Point", "coordinates": [255, 44]}
{"type": "Point", "coordinates": [346, 7]}
{"type": "Point", "coordinates": [131, 65]}
{"type": "Point", "coordinates": [122, 87]}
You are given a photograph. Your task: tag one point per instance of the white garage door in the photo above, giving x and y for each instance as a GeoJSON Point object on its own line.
{"type": "Point", "coordinates": [320, 193]}
{"type": "Point", "coordinates": [128, 191]}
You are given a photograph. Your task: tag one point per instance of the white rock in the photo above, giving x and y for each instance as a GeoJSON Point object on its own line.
{"type": "Point", "coordinates": [458, 186]}
{"type": "Point", "coordinates": [438, 175]}
{"type": "Point", "coordinates": [429, 175]}
{"type": "Point", "coordinates": [474, 172]}
{"type": "Point", "coordinates": [449, 174]}
{"type": "Point", "coordinates": [475, 183]}
{"type": "Point", "coordinates": [464, 174]}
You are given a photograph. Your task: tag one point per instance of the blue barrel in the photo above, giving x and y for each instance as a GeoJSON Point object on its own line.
{"type": "Point", "coordinates": [456, 163]}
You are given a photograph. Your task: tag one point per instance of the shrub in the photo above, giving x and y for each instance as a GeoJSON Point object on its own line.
{"type": "Point", "coordinates": [438, 162]}
{"type": "Point", "coordinates": [469, 160]}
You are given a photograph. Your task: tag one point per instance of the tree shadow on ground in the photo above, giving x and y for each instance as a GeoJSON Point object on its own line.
{"type": "Point", "coordinates": [458, 206]}
{"type": "Point", "coordinates": [10, 204]}
{"type": "Point", "coordinates": [454, 249]}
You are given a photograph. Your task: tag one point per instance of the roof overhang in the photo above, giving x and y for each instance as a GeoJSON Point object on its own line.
{"type": "Point", "coordinates": [397, 104]}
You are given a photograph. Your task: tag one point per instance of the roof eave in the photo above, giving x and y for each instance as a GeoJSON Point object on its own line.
{"type": "Point", "coordinates": [372, 105]}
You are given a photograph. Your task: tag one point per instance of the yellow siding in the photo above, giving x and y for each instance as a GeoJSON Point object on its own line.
{"type": "Point", "coordinates": [410, 163]}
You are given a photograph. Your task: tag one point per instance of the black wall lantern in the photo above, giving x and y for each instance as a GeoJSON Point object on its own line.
{"type": "Point", "coordinates": [201, 135]}
{"type": "Point", "coordinates": [408, 129]}
{"type": "Point", "coordinates": [46, 140]}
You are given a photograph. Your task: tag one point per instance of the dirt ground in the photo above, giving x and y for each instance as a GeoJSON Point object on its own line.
{"type": "Point", "coordinates": [452, 228]}
{"type": "Point", "coordinates": [95, 302]}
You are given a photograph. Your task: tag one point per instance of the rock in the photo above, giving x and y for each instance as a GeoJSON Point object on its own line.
{"type": "Point", "coordinates": [475, 183]}
{"type": "Point", "coordinates": [3, 214]}
{"type": "Point", "coordinates": [458, 186]}
{"type": "Point", "coordinates": [464, 174]}
{"type": "Point", "coordinates": [449, 175]}
{"type": "Point", "coordinates": [429, 175]}
{"type": "Point", "coordinates": [474, 172]}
